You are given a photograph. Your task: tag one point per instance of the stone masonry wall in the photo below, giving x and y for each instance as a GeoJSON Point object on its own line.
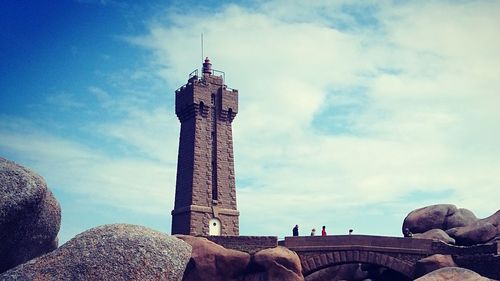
{"type": "Point", "coordinates": [183, 194]}
{"type": "Point", "coordinates": [203, 106]}
{"type": "Point", "coordinates": [230, 224]}
{"type": "Point", "coordinates": [249, 244]}
{"type": "Point", "coordinates": [225, 165]}
{"type": "Point", "coordinates": [199, 223]}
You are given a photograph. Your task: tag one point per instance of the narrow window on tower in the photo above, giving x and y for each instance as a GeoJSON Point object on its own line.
{"type": "Point", "coordinates": [202, 108]}
{"type": "Point", "coordinates": [213, 99]}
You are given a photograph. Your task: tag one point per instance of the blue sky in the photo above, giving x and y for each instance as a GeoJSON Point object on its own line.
{"type": "Point", "coordinates": [352, 113]}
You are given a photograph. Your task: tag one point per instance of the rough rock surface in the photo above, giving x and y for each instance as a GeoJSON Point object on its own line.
{"type": "Point", "coordinates": [210, 261]}
{"type": "Point", "coordinates": [459, 224]}
{"type": "Point", "coordinates": [30, 216]}
{"type": "Point", "coordinates": [434, 262]}
{"type": "Point", "coordinates": [461, 217]}
{"type": "Point", "coordinates": [493, 219]}
{"type": "Point", "coordinates": [437, 234]}
{"type": "Point", "coordinates": [452, 274]}
{"type": "Point", "coordinates": [477, 233]}
{"type": "Point", "coordinates": [276, 264]}
{"type": "Point", "coordinates": [441, 216]}
{"type": "Point", "coordinates": [110, 252]}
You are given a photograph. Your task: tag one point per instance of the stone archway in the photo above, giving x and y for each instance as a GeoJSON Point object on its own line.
{"type": "Point", "coordinates": [318, 261]}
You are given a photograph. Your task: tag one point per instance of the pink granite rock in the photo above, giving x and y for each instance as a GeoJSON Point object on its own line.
{"type": "Point", "coordinates": [434, 262]}
{"type": "Point", "coordinates": [30, 216]}
{"type": "Point", "coordinates": [211, 262]}
{"type": "Point", "coordinates": [276, 264]}
{"type": "Point", "coordinates": [110, 252]}
{"type": "Point", "coordinates": [452, 274]}
{"type": "Point", "coordinates": [435, 234]}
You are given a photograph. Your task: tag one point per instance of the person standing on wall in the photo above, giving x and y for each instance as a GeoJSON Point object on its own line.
{"type": "Point", "coordinates": [295, 230]}
{"type": "Point", "coordinates": [323, 231]}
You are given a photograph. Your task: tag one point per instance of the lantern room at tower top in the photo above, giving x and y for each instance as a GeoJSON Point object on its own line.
{"type": "Point", "coordinates": [205, 196]}
{"type": "Point", "coordinates": [207, 70]}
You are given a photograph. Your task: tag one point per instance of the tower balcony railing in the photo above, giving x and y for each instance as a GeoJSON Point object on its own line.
{"type": "Point", "coordinates": [194, 76]}
{"type": "Point", "coordinates": [215, 72]}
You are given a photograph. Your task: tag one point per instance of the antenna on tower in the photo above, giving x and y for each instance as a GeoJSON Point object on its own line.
{"type": "Point", "coordinates": [202, 47]}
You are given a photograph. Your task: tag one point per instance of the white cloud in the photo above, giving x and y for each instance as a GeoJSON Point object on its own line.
{"type": "Point", "coordinates": [129, 182]}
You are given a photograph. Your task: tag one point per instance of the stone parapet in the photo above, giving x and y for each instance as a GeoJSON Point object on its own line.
{"type": "Point", "coordinates": [249, 244]}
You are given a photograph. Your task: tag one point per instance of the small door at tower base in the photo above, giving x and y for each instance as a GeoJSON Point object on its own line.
{"type": "Point", "coordinates": [214, 227]}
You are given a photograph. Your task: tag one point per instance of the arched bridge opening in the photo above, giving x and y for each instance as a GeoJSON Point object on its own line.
{"type": "Point", "coordinates": [315, 265]}
{"type": "Point", "coordinates": [394, 253]}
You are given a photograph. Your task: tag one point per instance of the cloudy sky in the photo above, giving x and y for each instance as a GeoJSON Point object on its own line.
{"type": "Point", "coordinates": [352, 113]}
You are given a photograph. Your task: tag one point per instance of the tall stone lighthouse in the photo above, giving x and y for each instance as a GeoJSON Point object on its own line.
{"type": "Point", "coordinates": [205, 194]}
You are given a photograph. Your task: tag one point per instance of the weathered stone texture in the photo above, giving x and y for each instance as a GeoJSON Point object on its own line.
{"type": "Point", "coordinates": [432, 263]}
{"type": "Point", "coordinates": [452, 273]}
{"type": "Point", "coordinates": [30, 216]}
{"type": "Point", "coordinates": [276, 264]}
{"type": "Point", "coordinates": [437, 234]}
{"type": "Point", "coordinates": [460, 224]}
{"type": "Point", "coordinates": [430, 217]}
{"type": "Point", "coordinates": [476, 233]}
{"type": "Point", "coordinates": [210, 261]}
{"type": "Point", "coordinates": [249, 244]}
{"type": "Point", "coordinates": [110, 252]}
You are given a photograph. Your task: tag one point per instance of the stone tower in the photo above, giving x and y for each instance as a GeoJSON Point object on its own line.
{"type": "Point", "coordinates": [205, 194]}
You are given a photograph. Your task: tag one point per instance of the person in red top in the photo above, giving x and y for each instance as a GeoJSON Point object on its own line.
{"type": "Point", "coordinates": [323, 231]}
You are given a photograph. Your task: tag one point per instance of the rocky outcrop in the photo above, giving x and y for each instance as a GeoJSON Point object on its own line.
{"type": "Point", "coordinates": [110, 252]}
{"type": "Point", "coordinates": [461, 217]}
{"type": "Point", "coordinates": [30, 216]}
{"type": "Point", "coordinates": [432, 263]}
{"type": "Point", "coordinates": [476, 233]}
{"type": "Point", "coordinates": [461, 225]}
{"type": "Point", "coordinates": [452, 273]}
{"type": "Point", "coordinates": [210, 261]}
{"type": "Point", "coordinates": [435, 234]}
{"type": "Point", "coordinates": [493, 219]}
{"type": "Point", "coordinates": [276, 264]}
{"type": "Point", "coordinates": [442, 216]}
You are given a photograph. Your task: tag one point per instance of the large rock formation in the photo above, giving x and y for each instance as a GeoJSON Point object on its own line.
{"type": "Point", "coordinates": [452, 273]}
{"type": "Point", "coordinates": [460, 225]}
{"type": "Point", "coordinates": [210, 261]}
{"type": "Point", "coordinates": [30, 216]}
{"type": "Point", "coordinates": [476, 233]}
{"type": "Point", "coordinates": [110, 252]}
{"type": "Point", "coordinates": [442, 216]}
{"type": "Point", "coordinates": [493, 219]}
{"type": "Point", "coordinates": [435, 234]}
{"type": "Point", "coordinates": [434, 262]}
{"type": "Point", "coordinates": [276, 264]}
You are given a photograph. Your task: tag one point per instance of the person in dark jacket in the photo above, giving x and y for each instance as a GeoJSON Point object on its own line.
{"type": "Point", "coordinates": [296, 230]}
